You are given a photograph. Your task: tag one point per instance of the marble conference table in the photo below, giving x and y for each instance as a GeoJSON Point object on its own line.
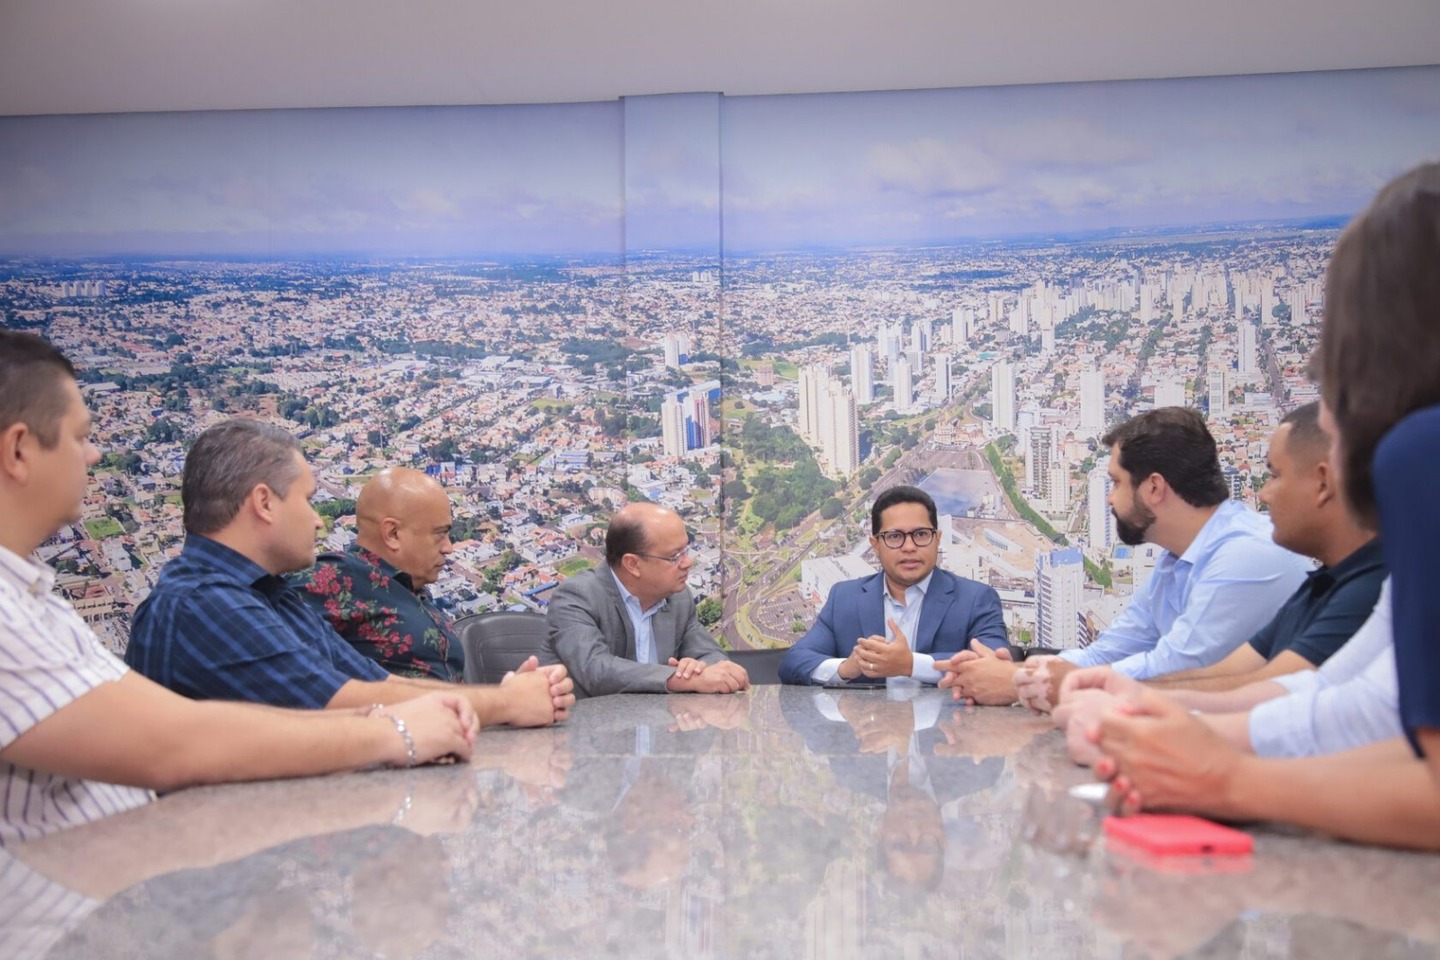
{"type": "Point", "coordinates": [782, 822]}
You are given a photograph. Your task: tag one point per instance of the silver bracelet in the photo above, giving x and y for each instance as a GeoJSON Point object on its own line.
{"type": "Point", "coordinates": [378, 710]}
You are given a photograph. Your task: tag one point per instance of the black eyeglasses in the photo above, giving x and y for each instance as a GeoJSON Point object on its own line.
{"type": "Point", "coordinates": [673, 559]}
{"type": "Point", "coordinates": [895, 539]}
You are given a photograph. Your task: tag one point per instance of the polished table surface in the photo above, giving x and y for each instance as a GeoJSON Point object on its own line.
{"type": "Point", "coordinates": [785, 822]}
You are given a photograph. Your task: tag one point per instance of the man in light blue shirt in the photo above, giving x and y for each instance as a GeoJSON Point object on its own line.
{"type": "Point", "coordinates": [1220, 579]}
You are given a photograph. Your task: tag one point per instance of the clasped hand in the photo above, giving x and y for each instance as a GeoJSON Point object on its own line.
{"type": "Point", "coordinates": [876, 657]}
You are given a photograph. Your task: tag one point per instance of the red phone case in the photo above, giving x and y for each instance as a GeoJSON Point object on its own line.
{"type": "Point", "coordinates": [1178, 835]}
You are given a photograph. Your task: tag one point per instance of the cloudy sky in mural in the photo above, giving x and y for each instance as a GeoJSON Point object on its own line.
{"type": "Point", "coordinates": [414, 181]}
{"type": "Point", "coordinates": [1005, 161]}
{"type": "Point", "coordinates": [905, 168]}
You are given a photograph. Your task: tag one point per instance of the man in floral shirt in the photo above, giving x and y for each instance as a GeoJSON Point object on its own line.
{"type": "Point", "coordinates": [373, 593]}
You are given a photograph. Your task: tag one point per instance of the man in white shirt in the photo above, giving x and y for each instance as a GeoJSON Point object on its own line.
{"type": "Point", "coordinates": [63, 758]}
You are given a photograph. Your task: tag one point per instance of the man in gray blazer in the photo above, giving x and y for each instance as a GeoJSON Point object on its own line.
{"type": "Point", "coordinates": [630, 626]}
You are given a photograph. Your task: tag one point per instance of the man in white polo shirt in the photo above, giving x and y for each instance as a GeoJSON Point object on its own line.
{"type": "Point", "coordinates": [64, 759]}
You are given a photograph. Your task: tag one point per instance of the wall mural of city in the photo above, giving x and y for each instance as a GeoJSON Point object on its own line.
{"type": "Point", "coordinates": [758, 310]}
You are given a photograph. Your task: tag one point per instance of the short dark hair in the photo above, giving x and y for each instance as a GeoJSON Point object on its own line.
{"type": "Point", "coordinates": [902, 494]}
{"type": "Point", "coordinates": [1306, 438]}
{"type": "Point", "coordinates": [1379, 347]}
{"type": "Point", "coordinates": [625, 535]}
{"type": "Point", "coordinates": [1175, 443]}
{"type": "Point", "coordinates": [32, 377]}
{"type": "Point", "coordinates": [228, 461]}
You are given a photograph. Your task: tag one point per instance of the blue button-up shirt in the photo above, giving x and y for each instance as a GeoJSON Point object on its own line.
{"type": "Point", "coordinates": [218, 626]}
{"type": "Point", "coordinates": [640, 620]}
{"type": "Point", "coordinates": [1199, 606]}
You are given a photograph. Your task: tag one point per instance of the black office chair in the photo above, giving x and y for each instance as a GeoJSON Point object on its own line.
{"type": "Point", "coordinates": [496, 643]}
{"type": "Point", "coordinates": [762, 665]}
{"type": "Point", "coordinates": [1019, 653]}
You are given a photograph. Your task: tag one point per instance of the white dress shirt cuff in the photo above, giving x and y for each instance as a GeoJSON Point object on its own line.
{"type": "Point", "coordinates": [827, 670]}
{"type": "Point", "coordinates": [923, 668]}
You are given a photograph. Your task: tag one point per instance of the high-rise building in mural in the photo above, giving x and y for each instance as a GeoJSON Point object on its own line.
{"type": "Point", "coordinates": [1092, 401]}
{"type": "Point", "coordinates": [840, 438]}
{"type": "Point", "coordinates": [676, 349]}
{"type": "Point", "coordinates": [1041, 453]}
{"type": "Point", "coordinates": [862, 373]}
{"type": "Point", "coordinates": [1059, 584]}
{"type": "Point", "coordinates": [943, 387]}
{"type": "Point", "coordinates": [1002, 397]}
{"type": "Point", "coordinates": [1100, 519]}
{"type": "Point", "coordinates": [1219, 393]}
{"type": "Point", "coordinates": [902, 383]}
{"type": "Point", "coordinates": [812, 382]}
{"type": "Point", "coordinates": [1248, 352]}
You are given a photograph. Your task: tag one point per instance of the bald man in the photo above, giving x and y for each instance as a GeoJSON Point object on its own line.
{"type": "Point", "coordinates": [630, 626]}
{"type": "Point", "coordinates": [373, 593]}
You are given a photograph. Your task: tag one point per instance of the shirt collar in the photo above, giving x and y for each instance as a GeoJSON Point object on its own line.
{"type": "Point", "coordinates": [1217, 524]}
{"type": "Point", "coordinates": [213, 554]}
{"type": "Point", "coordinates": [29, 574]}
{"type": "Point", "coordinates": [386, 567]}
{"type": "Point", "coordinates": [630, 599]}
{"type": "Point", "coordinates": [1360, 559]}
{"type": "Point", "coordinates": [922, 586]}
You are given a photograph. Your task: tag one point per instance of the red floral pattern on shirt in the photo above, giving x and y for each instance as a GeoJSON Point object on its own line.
{"type": "Point", "coordinates": [372, 605]}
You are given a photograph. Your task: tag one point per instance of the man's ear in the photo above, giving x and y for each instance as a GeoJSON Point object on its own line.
{"type": "Point", "coordinates": [1153, 490]}
{"type": "Point", "coordinates": [261, 503]}
{"type": "Point", "coordinates": [14, 452]}
{"type": "Point", "coordinates": [390, 533]}
{"type": "Point", "coordinates": [1325, 490]}
{"type": "Point", "coordinates": [630, 564]}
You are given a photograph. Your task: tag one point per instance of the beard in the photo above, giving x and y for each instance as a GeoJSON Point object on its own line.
{"type": "Point", "coordinates": [1131, 531]}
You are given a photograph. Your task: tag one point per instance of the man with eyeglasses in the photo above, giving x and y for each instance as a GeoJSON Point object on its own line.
{"type": "Point", "coordinates": [899, 622]}
{"type": "Point", "coordinates": [630, 626]}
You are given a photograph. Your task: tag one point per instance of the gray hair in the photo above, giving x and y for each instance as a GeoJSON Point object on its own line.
{"type": "Point", "coordinates": [228, 461]}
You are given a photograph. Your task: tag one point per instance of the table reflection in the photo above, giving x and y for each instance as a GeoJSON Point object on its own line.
{"type": "Point", "coordinates": [780, 822]}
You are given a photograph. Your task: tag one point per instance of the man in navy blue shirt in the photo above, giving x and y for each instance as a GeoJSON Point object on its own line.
{"type": "Point", "coordinates": [223, 624]}
{"type": "Point", "coordinates": [1309, 515]}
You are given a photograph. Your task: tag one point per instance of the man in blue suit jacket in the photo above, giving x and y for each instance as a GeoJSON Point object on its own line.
{"type": "Point", "coordinates": [897, 623]}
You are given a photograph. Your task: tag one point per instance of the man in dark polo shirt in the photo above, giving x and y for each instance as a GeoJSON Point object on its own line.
{"type": "Point", "coordinates": [373, 593]}
{"type": "Point", "coordinates": [1309, 516]}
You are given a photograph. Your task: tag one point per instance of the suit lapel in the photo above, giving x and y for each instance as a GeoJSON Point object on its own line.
{"type": "Point", "coordinates": [932, 612]}
{"type": "Point", "coordinates": [663, 628]}
{"type": "Point", "coordinates": [617, 604]}
{"type": "Point", "coordinates": [872, 608]}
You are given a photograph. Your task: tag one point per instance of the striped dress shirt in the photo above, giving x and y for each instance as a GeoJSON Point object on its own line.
{"type": "Point", "coordinates": [48, 659]}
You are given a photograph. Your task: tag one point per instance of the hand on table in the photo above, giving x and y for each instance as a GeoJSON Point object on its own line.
{"type": "Point", "coordinates": [440, 725]}
{"type": "Point", "coordinates": [980, 675]}
{"type": "Point", "coordinates": [1037, 683]}
{"type": "Point", "coordinates": [562, 688]}
{"type": "Point", "coordinates": [1159, 757]}
{"type": "Point", "coordinates": [723, 677]}
{"type": "Point", "coordinates": [876, 657]}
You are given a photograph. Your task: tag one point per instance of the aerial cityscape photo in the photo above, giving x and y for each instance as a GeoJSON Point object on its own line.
{"type": "Point", "coordinates": [758, 310]}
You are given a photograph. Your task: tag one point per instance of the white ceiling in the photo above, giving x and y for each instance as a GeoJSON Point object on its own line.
{"type": "Point", "coordinates": [84, 56]}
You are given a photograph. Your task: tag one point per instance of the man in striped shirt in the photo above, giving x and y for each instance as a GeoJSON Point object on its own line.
{"type": "Point", "coordinates": [81, 736]}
